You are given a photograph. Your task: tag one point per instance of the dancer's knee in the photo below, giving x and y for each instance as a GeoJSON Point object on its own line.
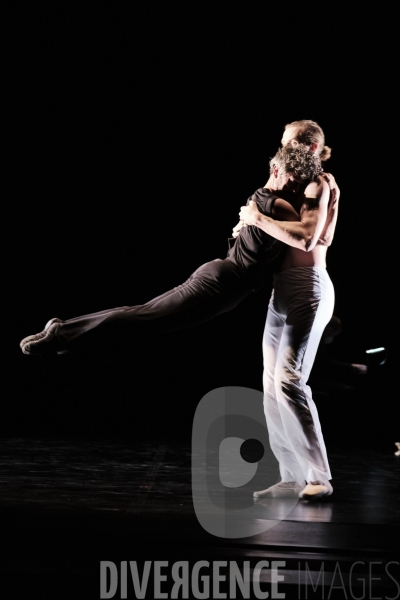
{"type": "Point", "coordinates": [287, 382]}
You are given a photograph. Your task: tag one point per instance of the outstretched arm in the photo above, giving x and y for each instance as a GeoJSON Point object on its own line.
{"type": "Point", "coordinates": [303, 234]}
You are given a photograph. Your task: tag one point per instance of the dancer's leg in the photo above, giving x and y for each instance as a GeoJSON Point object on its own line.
{"type": "Point", "coordinates": [289, 467]}
{"type": "Point", "coordinates": [214, 288]}
{"type": "Point", "coordinates": [308, 296]}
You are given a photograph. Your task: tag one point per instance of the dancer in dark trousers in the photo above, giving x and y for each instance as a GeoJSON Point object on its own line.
{"type": "Point", "coordinates": [214, 288]}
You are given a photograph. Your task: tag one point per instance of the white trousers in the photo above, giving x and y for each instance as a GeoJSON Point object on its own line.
{"type": "Point", "coordinates": [300, 307]}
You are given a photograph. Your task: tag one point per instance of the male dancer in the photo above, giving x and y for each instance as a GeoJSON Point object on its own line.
{"type": "Point", "coordinates": [301, 305]}
{"type": "Point", "coordinates": [214, 288]}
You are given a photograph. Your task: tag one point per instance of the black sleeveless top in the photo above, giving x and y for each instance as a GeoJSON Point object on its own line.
{"type": "Point", "coordinates": [253, 248]}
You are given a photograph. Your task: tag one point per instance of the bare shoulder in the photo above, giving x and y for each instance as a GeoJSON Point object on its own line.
{"type": "Point", "coordinates": [318, 189]}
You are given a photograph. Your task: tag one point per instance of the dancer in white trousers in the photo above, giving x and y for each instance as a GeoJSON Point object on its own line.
{"type": "Point", "coordinates": [301, 306]}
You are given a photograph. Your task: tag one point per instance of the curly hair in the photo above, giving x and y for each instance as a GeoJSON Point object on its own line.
{"type": "Point", "coordinates": [299, 160]}
{"type": "Point", "coordinates": [309, 132]}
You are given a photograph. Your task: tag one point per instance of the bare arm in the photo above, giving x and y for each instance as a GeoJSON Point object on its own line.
{"type": "Point", "coordinates": [328, 231]}
{"type": "Point", "coordinates": [282, 210]}
{"type": "Point", "coordinates": [303, 234]}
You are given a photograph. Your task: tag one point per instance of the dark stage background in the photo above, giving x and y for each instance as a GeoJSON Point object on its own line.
{"type": "Point", "coordinates": [133, 136]}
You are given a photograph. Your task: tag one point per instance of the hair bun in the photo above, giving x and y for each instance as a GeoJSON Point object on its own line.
{"type": "Point", "coordinates": [325, 153]}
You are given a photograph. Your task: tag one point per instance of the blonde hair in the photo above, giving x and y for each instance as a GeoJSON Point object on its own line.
{"type": "Point", "coordinates": [309, 132]}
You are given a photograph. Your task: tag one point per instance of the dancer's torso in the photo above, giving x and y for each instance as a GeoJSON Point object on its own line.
{"type": "Point", "coordinates": [299, 258]}
{"type": "Point", "coordinates": [253, 247]}
{"type": "Point", "coordinates": [316, 257]}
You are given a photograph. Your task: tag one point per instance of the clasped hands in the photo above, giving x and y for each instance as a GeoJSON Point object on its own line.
{"type": "Point", "coordinates": [248, 216]}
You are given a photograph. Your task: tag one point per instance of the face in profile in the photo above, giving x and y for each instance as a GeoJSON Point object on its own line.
{"type": "Point", "coordinates": [289, 137]}
{"type": "Point", "coordinates": [286, 180]}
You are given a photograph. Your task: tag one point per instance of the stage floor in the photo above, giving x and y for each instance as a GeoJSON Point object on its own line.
{"type": "Point", "coordinates": [66, 505]}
